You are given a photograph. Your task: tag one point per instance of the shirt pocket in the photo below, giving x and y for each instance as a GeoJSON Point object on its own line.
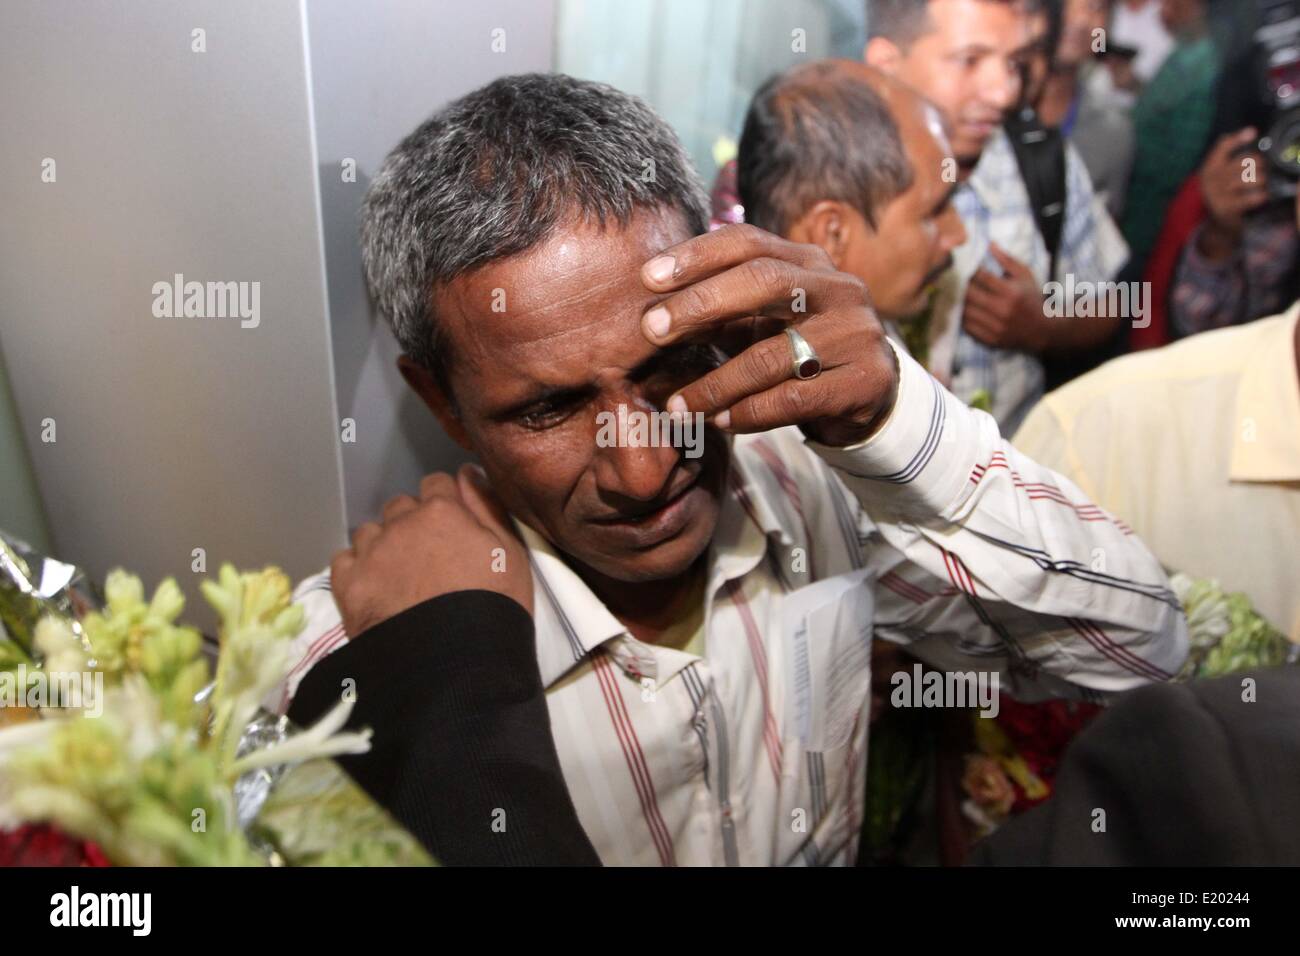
{"type": "Point", "coordinates": [827, 630]}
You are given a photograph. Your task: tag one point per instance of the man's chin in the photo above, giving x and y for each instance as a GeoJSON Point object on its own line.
{"type": "Point", "coordinates": [968, 150]}
{"type": "Point", "coordinates": [661, 563]}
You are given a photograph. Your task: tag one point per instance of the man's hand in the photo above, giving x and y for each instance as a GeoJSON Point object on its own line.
{"type": "Point", "coordinates": [1229, 195]}
{"type": "Point", "coordinates": [456, 537]}
{"type": "Point", "coordinates": [1006, 312]}
{"type": "Point", "coordinates": [740, 287]}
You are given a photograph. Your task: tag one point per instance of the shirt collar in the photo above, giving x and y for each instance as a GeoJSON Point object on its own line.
{"type": "Point", "coordinates": [571, 621]}
{"type": "Point", "coordinates": [1266, 441]}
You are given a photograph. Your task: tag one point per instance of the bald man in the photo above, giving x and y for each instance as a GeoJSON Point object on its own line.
{"type": "Point", "coordinates": [838, 154]}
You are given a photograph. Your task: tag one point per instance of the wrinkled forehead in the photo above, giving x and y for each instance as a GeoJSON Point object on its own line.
{"type": "Point", "coordinates": [570, 304]}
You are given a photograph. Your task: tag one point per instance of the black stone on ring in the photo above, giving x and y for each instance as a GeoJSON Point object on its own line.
{"type": "Point", "coordinates": [804, 360]}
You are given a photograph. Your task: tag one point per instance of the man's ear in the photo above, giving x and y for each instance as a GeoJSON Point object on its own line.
{"type": "Point", "coordinates": [883, 54]}
{"type": "Point", "coordinates": [828, 224]}
{"type": "Point", "coordinates": [425, 384]}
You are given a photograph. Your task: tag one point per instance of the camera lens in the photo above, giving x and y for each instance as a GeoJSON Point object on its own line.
{"type": "Point", "coordinates": [1283, 149]}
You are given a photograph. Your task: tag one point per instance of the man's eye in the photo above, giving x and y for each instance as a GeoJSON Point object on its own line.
{"type": "Point", "coordinates": [546, 415]}
{"type": "Point", "coordinates": [695, 360]}
{"type": "Point", "coordinates": [679, 370]}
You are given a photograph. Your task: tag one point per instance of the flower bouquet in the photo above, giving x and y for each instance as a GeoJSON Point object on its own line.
{"type": "Point", "coordinates": [121, 743]}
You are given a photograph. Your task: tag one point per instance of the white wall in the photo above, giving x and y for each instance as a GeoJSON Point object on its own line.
{"type": "Point", "coordinates": [171, 433]}
{"type": "Point", "coordinates": [376, 75]}
{"type": "Point", "coordinates": [182, 433]}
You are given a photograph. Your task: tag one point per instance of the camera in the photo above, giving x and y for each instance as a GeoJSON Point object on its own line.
{"type": "Point", "coordinates": [1277, 43]}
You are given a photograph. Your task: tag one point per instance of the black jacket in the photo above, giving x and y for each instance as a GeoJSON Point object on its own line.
{"type": "Point", "coordinates": [462, 753]}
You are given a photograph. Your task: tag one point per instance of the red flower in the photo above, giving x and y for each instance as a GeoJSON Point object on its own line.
{"type": "Point", "coordinates": [1040, 733]}
{"type": "Point", "coordinates": [39, 844]}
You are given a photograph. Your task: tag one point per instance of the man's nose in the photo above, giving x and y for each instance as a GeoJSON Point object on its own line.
{"type": "Point", "coordinates": [638, 472]}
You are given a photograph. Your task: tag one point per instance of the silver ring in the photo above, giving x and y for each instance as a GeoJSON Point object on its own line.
{"type": "Point", "coordinates": [804, 360]}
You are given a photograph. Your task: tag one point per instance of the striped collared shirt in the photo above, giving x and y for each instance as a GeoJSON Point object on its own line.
{"type": "Point", "coordinates": [934, 533]}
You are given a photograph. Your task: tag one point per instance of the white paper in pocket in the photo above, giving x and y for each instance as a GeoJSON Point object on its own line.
{"type": "Point", "coordinates": [827, 630]}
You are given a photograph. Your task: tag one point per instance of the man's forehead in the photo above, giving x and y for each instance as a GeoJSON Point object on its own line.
{"type": "Point", "coordinates": [923, 129]}
{"type": "Point", "coordinates": [984, 23]}
{"type": "Point", "coordinates": [562, 300]}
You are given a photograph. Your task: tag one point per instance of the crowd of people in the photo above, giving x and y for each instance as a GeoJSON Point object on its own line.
{"type": "Point", "coordinates": [914, 438]}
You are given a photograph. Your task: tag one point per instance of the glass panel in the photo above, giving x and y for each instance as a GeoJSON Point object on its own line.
{"type": "Point", "coordinates": [698, 62]}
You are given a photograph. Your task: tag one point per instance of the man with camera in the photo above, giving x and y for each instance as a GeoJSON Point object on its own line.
{"type": "Point", "coordinates": [1241, 263]}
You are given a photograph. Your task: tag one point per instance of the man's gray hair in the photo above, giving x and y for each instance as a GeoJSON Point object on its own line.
{"type": "Point", "coordinates": [493, 174]}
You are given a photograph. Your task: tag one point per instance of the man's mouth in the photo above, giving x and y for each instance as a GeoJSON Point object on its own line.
{"type": "Point", "coordinates": [652, 527]}
{"type": "Point", "coordinates": [935, 274]}
{"type": "Point", "coordinates": [981, 128]}
{"type": "Point", "coordinates": [634, 519]}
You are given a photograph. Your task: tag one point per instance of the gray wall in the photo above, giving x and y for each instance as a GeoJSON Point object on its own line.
{"type": "Point", "coordinates": [225, 165]}
{"type": "Point", "coordinates": [21, 511]}
{"type": "Point", "coordinates": [376, 75]}
{"type": "Point", "coordinates": [172, 433]}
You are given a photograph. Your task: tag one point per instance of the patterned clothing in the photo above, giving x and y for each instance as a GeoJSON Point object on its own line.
{"type": "Point", "coordinates": [934, 533]}
{"type": "Point", "coordinates": [1259, 279]}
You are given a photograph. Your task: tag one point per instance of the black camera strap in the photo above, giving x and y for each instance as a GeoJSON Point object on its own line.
{"type": "Point", "coordinates": [1040, 154]}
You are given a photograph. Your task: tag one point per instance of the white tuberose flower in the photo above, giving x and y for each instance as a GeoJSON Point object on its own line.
{"type": "Point", "coordinates": [319, 740]}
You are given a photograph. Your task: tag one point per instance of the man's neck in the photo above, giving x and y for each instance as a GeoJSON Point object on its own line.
{"type": "Point", "coordinates": [647, 608]}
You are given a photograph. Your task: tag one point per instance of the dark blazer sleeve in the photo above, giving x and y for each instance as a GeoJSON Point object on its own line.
{"type": "Point", "coordinates": [462, 753]}
{"type": "Point", "coordinates": [1173, 775]}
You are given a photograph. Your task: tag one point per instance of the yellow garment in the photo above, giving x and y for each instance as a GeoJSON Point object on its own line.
{"type": "Point", "coordinates": [1197, 446]}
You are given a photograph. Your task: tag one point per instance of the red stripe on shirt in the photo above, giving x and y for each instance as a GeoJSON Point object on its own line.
{"type": "Point", "coordinates": [318, 649]}
{"type": "Point", "coordinates": [904, 588]}
{"type": "Point", "coordinates": [635, 758]}
{"type": "Point", "coordinates": [1121, 655]}
{"type": "Point", "coordinates": [791, 488]}
{"type": "Point", "coordinates": [1041, 491]}
{"type": "Point", "coordinates": [771, 737]}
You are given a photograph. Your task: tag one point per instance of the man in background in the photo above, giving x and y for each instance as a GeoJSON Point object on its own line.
{"type": "Point", "coordinates": [1137, 24]}
{"type": "Point", "coordinates": [987, 327]}
{"type": "Point", "coordinates": [1079, 97]}
{"type": "Point", "coordinates": [842, 156]}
